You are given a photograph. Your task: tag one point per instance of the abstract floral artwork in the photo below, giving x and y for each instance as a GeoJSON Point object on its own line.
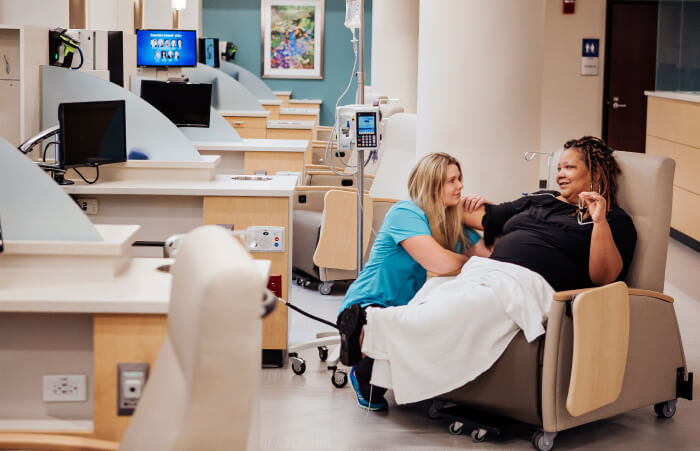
{"type": "Point", "coordinates": [292, 38]}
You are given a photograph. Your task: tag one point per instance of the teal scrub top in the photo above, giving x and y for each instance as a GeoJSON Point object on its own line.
{"type": "Point", "coordinates": [391, 276]}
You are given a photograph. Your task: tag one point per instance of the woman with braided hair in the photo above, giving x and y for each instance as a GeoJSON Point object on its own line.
{"type": "Point", "coordinates": [573, 238]}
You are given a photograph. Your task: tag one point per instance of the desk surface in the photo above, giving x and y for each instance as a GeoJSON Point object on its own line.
{"type": "Point", "coordinates": [244, 113]}
{"type": "Point", "coordinates": [296, 125]}
{"type": "Point", "coordinates": [222, 185]}
{"type": "Point", "coordinates": [140, 289]}
{"type": "Point", "coordinates": [254, 145]}
{"type": "Point", "coordinates": [675, 95]}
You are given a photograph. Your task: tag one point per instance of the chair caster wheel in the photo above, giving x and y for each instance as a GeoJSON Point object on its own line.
{"type": "Point", "coordinates": [456, 428]}
{"type": "Point", "coordinates": [665, 409]}
{"type": "Point", "coordinates": [432, 409]}
{"type": "Point", "coordinates": [543, 441]}
{"type": "Point", "coordinates": [479, 435]}
{"type": "Point", "coordinates": [323, 353]}
{"type": "Point", "coordinates": [325, 288]}
{"type": "Point", "coordinates": [339, 379]}
{"type": "Point", "coordinates": [306, 283]}
{"type": "Point", "coordinates": [298, 365]}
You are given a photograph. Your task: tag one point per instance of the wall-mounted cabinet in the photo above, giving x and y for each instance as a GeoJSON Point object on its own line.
{"type": "Point", "coordinates": [23, 49]}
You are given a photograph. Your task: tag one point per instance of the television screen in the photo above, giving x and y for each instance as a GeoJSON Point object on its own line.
{"type": "Point", "coordinates": [209, 51]}
{"type": "Point", "coordinates": [166, 48]}
{"type": "Point", "coordinates": [92, 133]}
{"type": "Point", "coordinates": [185, 104]}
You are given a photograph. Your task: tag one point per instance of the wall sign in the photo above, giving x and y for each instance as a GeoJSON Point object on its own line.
{"type": "Point", "coordinates": [589, 56]}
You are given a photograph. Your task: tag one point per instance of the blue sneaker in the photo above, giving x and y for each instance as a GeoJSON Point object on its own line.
{"type": "Point", "coordinates": [377, 406]}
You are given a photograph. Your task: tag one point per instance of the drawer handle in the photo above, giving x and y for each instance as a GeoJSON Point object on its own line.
{"type": "Point", "coordinates": [237, 122]}
{"type": "Point", "coordinates": [7, 64]}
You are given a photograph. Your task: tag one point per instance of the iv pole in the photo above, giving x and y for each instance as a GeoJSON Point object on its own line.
{"type": "Point", "coordinates": [360, 99]}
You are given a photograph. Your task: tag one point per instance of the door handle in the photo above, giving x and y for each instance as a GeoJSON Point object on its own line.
{"type": "Point", "coordinates": [616, 103]}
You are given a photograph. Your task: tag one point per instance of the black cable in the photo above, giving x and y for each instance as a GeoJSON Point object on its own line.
{"type": "Point", "coordinates": [43, 154]}
{"type": "Point", "coordinates": [97, 175]}
{"type": "Point", "coordinates": [320, 320]}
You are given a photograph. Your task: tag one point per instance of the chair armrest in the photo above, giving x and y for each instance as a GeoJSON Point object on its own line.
{"type": "Point", "coordinates": [449, 274]}
{"type": "Point", "coordinates": [569, 294]}
{"type": "Point", "coordinates": [326, 188]}
{"type": "Point", "coordinates": [337, 242]}
{"type": "Point", "coordinates": [16, 440]}
{"type": "Point", "coordinates": [601, 319]}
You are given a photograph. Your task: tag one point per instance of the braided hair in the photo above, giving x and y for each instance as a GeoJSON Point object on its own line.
{"type": "Point", "coordinates": [601, 164]}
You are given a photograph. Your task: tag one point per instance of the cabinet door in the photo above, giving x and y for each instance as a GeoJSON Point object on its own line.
{"type": "Point", "coordinates": [9, 111]}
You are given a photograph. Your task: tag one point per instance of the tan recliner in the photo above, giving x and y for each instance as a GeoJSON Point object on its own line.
{"type": "Point", "coordinates": [325, 243]}
{"type": "Point", "coordinates": [607, 350]}
{"type": "Point", "coordinates": [202, 388]}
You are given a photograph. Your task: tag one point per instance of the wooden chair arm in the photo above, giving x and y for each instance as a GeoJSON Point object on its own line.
{"type": "Point", "coordinates": [337, 242]}
{"type": "Point", "coordinates": [569, 294]}
{"type": "Point", "coordinates": [601, 329]}
{"type": "Point", "coordinates": [17, 440]}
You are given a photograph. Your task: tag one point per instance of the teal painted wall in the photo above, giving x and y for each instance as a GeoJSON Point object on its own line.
{"type": "Point", "coordinates": [239, 22]}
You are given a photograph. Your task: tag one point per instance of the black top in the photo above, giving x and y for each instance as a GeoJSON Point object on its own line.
{"type": "Point", "coordinates": [541, 233]}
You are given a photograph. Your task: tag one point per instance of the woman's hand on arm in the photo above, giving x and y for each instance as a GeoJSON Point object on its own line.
{"type": "Point", "coordinates": [431, 256]}
{"type": "Point", "coordinates": [474, 210]}
{"type": "Point", "coordinates": [605, 261]}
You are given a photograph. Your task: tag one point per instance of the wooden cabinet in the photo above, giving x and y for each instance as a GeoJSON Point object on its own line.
{"type": "Point", "coordinates": [672, 132]}
{"type": "Point", "coordinates": [9, 115]}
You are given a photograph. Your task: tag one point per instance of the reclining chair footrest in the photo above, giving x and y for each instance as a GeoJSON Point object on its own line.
{"type": "Point", "coordinates": [474, 419]}
{"type": "Point", "coordinates": [684, 389]}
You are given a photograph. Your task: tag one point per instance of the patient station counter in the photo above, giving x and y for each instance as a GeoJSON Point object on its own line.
{"type": "Point", "coordinates": [176, 198]}
{"type": "Point", "coordinates": [81, 308]}
{"type": "Point", "coordinates": [270, 155]}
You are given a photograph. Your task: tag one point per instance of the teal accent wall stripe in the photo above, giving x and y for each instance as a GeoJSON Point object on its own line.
{"type": "Point", "coordinates": [239, 22]}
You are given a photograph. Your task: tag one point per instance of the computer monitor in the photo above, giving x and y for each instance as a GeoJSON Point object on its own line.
{"type": "Point", "coordinates": [166, 48]}
{"type": "Point", "coordinates": [209, 51]}
{"type": "Point", "coordinates": [185, 104]}
{"type": "Point", "coordinates": [91, 133]}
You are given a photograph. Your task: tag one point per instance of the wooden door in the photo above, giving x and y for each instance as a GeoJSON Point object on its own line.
{"type": "Point", "coordinates": [630, 70]}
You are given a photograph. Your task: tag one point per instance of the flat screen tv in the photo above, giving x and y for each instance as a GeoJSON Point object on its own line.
{"type": "Point", "coordinates": [185, 104]}
{"type": "Point", "coordinates": [166, 48]}
{"type": "Point", "coordinates": [92, 133]}
{"type": "Point", "coordinates": [209, 51]}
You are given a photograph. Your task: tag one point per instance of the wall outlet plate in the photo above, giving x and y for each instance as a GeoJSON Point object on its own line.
{"type": "Point", "coordinates": [131, 379]}
{"type": "Point", "coordinates": [64, 387]}
{"type": "Point", "coordinates": [265, 238]}
{"type": "Point", "coordinates": [89, 206]}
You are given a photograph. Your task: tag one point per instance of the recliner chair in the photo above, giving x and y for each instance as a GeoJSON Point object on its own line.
{"type": "Point", "coordinates": [202, 389]}
{"type": "Point", "coordinates": [569, 377]}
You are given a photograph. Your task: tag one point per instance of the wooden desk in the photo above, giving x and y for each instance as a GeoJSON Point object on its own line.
{"type": "Point", "coordinates": [284, 97]}
{"type": "Point", "coordinates": [290, 129]}
{"type": "Point", "coordinates": [273, 106]}
{"type": "Point", "coordinates": [248, 124]}
{"type": "Point", "coordinates": [249, 155]}
{"type": "Point", "coordinates": [95, 324]}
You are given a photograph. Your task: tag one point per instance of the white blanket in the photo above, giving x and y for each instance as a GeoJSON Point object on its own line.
{"type": "Point", "coordinates": [455, 328]}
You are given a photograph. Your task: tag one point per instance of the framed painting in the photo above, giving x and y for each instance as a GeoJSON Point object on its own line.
{"type": "Point", "coordinates": [292, 38]}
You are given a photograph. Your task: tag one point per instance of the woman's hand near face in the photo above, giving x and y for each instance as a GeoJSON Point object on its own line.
{"type": "Point", "coordinates": [596, 204]}
{"type": "Point", "coordinates": [472, 202]}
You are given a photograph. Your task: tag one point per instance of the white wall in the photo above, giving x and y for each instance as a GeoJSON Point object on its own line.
{"type": "Point", "coordinates": [480, 90]}
{"type": "Point", "coordinates": [42, 13]}
{"type": "Point", "coordinates": [571, 103]}
{"type": "Point", "coordinates": [395, 50]}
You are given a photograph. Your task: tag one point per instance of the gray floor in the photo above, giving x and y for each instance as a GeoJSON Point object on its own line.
{"type": "Point", "coordinates": [308, 413]}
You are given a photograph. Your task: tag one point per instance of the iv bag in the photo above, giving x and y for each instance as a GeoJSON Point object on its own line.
{"type": "Point", "coordinates": [352, 14]}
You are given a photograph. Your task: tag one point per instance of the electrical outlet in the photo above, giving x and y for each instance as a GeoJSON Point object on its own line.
{"type": "Point", "coordinates": [265, 238]}
{"type": "Point", "coordinates": [89, 206]}
{"type": "Point", "coordinates": [131, 379]}
{"type": "Point", "coordinates": [64, 387]}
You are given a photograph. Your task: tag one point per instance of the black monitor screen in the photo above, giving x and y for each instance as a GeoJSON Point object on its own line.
{"type": "Point", "coordinates": [185, 104]}
{"type": "Point", "coordinates": [209, 51]}
{"type": "Point", "coordinates": [92, 133]}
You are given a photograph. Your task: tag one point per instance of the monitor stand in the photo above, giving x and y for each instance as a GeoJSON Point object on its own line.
{"type": "Point", "coordinates": [59, 178]}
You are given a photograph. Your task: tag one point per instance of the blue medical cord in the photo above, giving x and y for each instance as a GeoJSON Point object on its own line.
{"type": "Point", "coordinates": [82, 59]}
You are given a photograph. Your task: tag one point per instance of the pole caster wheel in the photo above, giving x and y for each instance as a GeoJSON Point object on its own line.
{"type": "Point", "coordinates": [339, 378]}
{"type": "Point", "coordinates": [665, 409]}
{"type": "Point", "coordinates": [479, 435]}
{"type": "Point", "coordinates": [298, 365]}
{"type": "Point", "coordinates": [323, 353]}
{"type": "Point", "coordinates": [456, 428]}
